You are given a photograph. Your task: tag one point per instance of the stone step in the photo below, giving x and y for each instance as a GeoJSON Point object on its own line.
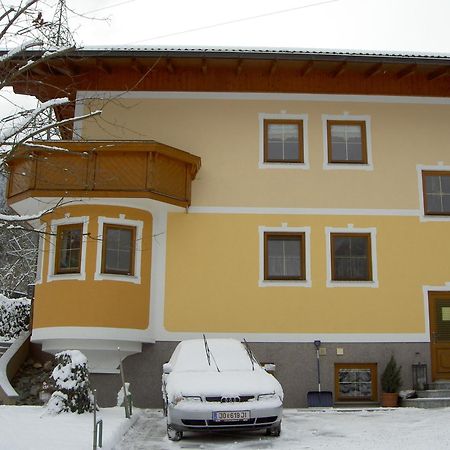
{"type": "Point", "coordinates": [426, 402]}
{"type": "Point", "coordinates": [444, 384]}
{"type": "Point", "coordinates": [435, 393]}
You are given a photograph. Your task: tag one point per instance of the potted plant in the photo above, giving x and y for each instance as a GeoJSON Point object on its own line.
{"type": "Point", "coordinates": [391, 381]}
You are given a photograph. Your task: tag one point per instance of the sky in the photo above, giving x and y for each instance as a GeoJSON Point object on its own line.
{"type": "Point", "coordinates": [402, 25]}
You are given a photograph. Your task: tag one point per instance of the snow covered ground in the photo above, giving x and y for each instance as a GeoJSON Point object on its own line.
{"type": "Point", "coordinates": [28, 427]}
{"type": "Point", "coordinates": [31, 428]}
{"type": "Point", "coordinates": [381, 429]}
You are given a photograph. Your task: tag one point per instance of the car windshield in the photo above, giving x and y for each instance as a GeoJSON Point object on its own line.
{"type": "Point", "coordinates": [229, 355]}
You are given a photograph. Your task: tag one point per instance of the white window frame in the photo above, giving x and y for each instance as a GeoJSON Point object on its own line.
{"type": "Point", "coordinates": [285, 283]}
{"type": "Point", "coordinates": [40, 256]}
{"type": "Point", "coordinates": [284, 165]}
{"type": "Point", "coordinates": [54, 224]}
{"type": "Point", "coordinates": [424, 217]}
{"type": "Point", "coordinates": [138, 225]}
{"type": "Point", "coordinates": [373, 244]}
{"type": "Point", "coordinates": [342, 166]}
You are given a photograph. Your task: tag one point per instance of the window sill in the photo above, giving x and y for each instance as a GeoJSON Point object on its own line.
{"type": "Point", "coordinates": [285, 283]}
{"type": "Point", "coordinates": [343, 166]}
{"type": "Point", "coordinates": [66, 276]}
{"type": "Point", "coordinates": [284, 165]}
{"type": "Point", "coordinates": [352, 284]}
{"type": "Point", "coordinates": [434, 218]}
{"type": "Point", "coordinates": [113, 277]}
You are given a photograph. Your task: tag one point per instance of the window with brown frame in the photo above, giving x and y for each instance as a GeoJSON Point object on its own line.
{"type": "Point", "coordinates": [284, 256]}
{"type": "Point", "coordinates": [118, 249]}
{"type": "Point", "coordinates": [355, 381]}
{"type": "Point", "coordinates": [436, 192]}
{"type": "Point", "coordinates": [351, 257]}
{"type": "Point", "coordinates": [347, 141]}
{"type": "Point", "coordinates": [283, 141]}
{"type": "Point", "coordinates": [68, 248]}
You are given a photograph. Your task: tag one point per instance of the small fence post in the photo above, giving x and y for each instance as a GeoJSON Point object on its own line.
{"type": "Point", "coordinates": [98, 426]}
{"type": "Point", "coordinates": [126, 397]}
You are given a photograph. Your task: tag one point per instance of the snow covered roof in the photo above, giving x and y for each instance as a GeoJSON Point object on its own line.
{"type": "Point", "coordinates": [260, 52]}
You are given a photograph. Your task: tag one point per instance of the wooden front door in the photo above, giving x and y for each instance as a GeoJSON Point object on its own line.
{"type": "Point", "coordinates": [439, 307]}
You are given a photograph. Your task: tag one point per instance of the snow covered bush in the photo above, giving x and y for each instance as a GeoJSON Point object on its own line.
{"type": "Point", "coordinates": [72, 388]}
{"type": "Point", "coordinates": [14, 316]}
{"type": "Point", "coordinates": [121, 394]}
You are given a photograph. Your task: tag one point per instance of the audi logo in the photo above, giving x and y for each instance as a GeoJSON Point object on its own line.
{"type": "Point", "coordinates": [236, 399]}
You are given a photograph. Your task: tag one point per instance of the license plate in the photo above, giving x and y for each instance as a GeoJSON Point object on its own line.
{"type": "Point", "coordinates": [229, 416]}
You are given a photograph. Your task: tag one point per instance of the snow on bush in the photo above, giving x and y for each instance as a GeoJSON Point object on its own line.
{"type": "Point", "coordinates": [121, 394]}
{"type": "Point", "coordinates": [14, 316]}
{"type": "Point", "coordinates": [72, 388]}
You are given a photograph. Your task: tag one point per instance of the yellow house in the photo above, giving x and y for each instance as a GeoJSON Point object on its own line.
{"type": "Point", "coordinates": [320, 212]}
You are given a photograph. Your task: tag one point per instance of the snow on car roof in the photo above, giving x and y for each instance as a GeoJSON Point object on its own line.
{"type": "Point", "coordinates": [229, 354]}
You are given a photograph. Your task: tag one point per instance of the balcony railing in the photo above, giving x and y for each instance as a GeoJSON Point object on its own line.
{"type": "Point", "coordinates": [102, 169]}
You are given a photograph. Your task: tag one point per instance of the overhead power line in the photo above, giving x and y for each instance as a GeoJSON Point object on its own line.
{"type": "Point", "coordinates": [230, 22]}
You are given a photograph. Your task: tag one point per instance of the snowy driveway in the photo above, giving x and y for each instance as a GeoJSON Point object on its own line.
{"type": "Point", "coordinates": [403, 428]}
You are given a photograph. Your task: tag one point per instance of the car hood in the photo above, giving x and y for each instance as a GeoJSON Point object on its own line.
{"type": "Point", "coordinates": [218, 384]}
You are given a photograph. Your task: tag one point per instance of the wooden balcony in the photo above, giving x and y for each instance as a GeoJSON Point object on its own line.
{"type": "Point", "coordinates": [139, 169]}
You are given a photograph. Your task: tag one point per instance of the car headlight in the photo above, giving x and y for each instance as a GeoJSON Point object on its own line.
{"type": "Point", "coordinates": [192, 398]}
{"type": "Point", "coordinates": [271, 396]}
{"type": "Point", "coordinates": [189, 398]}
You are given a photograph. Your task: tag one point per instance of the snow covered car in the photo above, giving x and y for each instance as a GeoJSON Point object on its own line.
{"type": "Point", "coordinates": [217, 384]}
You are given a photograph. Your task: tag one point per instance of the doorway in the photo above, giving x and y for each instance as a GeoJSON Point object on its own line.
{"type": "Point", "coordinates": [439, 309]}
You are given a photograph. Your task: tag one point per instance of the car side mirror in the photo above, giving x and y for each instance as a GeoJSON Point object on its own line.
{"type": "Point", "coordinates": [167, 368]}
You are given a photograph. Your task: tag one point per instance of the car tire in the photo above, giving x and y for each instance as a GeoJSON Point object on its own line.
{"type": "Point", "coordinates": [274, 431]}
{"type": "Point", "coordinates": [173, 434]}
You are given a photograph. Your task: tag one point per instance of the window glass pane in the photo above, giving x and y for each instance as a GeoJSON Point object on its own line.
{"type": "Point", "coordinates": [275, 132]}
{"type": "Point", "coordinates": [350, 258]}
{"type": "Point", "coordinates": [445, 184]}
{"type": "Point", "coordinates": [339, 153]}
{"type": "Point", "coordinates": [341, 246]}
{"type": "Point", "coordinates": [354, 151]}
{"type": "Point", "coordinates": [432, 184]}
{"type": "Point", "coordinates": [346, 143]}
{"type": "Point", "coordinates": [359, 269]}
{"type": "Point", "coordinates": [119, 251]}
{"type": "Point", "coordinates": [338, 133]}
{"type": "Point", "coordinates": [69, 250]}
{"type": "Point", "coordinates": [111, 261]}
{"type": "Point", "coordinates": [284, 257]}
{"type": "Point", "coordinates": [123, 260]}
{"type": "Point", "coordinates": [353, 133]}
{"type": "Point", "coordinates": [434, 203]}
{"type": "Point", "coordinates": [342, 268]}
{"type": "Point", "coordinates": [358, 246]}
{"type": "Point", "coordinates": [355, 382]}
{"type": "Point", "coordinates": [283, 142]}
{"type": "Point", "coordinates": [446, 203]}
{"type": "Point", "coordinates": [275, 150]}
{"type": "Point", "coordinates": [275, 247]}
{"type": "Point", "coordinates": [291, 151]}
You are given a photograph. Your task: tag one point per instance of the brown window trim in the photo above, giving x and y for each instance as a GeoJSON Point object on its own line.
{"type": "Point", "coordinates": [301, 156]}
{"type": "Point", "coordinates": [369, 256]}
{"type": "Point", "coordinates": [374, 372]}
{"type": "Point", "coordinates": [292, 235]}
{"type": "Point", "coordinates": [59, 230]}
{"type": "Point", "coordinates": [132, 252]}
{"type": "Point", "coordinates": [362, 124]}
{"type": "Point", "coordinates": [435, 173]}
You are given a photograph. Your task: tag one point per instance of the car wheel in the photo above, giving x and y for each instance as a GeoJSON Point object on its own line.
{"type": "Point", "coordinates": [274, 431]}
{"type": "Point", "coordinates": [174, 435]}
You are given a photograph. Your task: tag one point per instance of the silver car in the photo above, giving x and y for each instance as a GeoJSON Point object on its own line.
{"type": "Point", "coordinates": [217, 384]}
